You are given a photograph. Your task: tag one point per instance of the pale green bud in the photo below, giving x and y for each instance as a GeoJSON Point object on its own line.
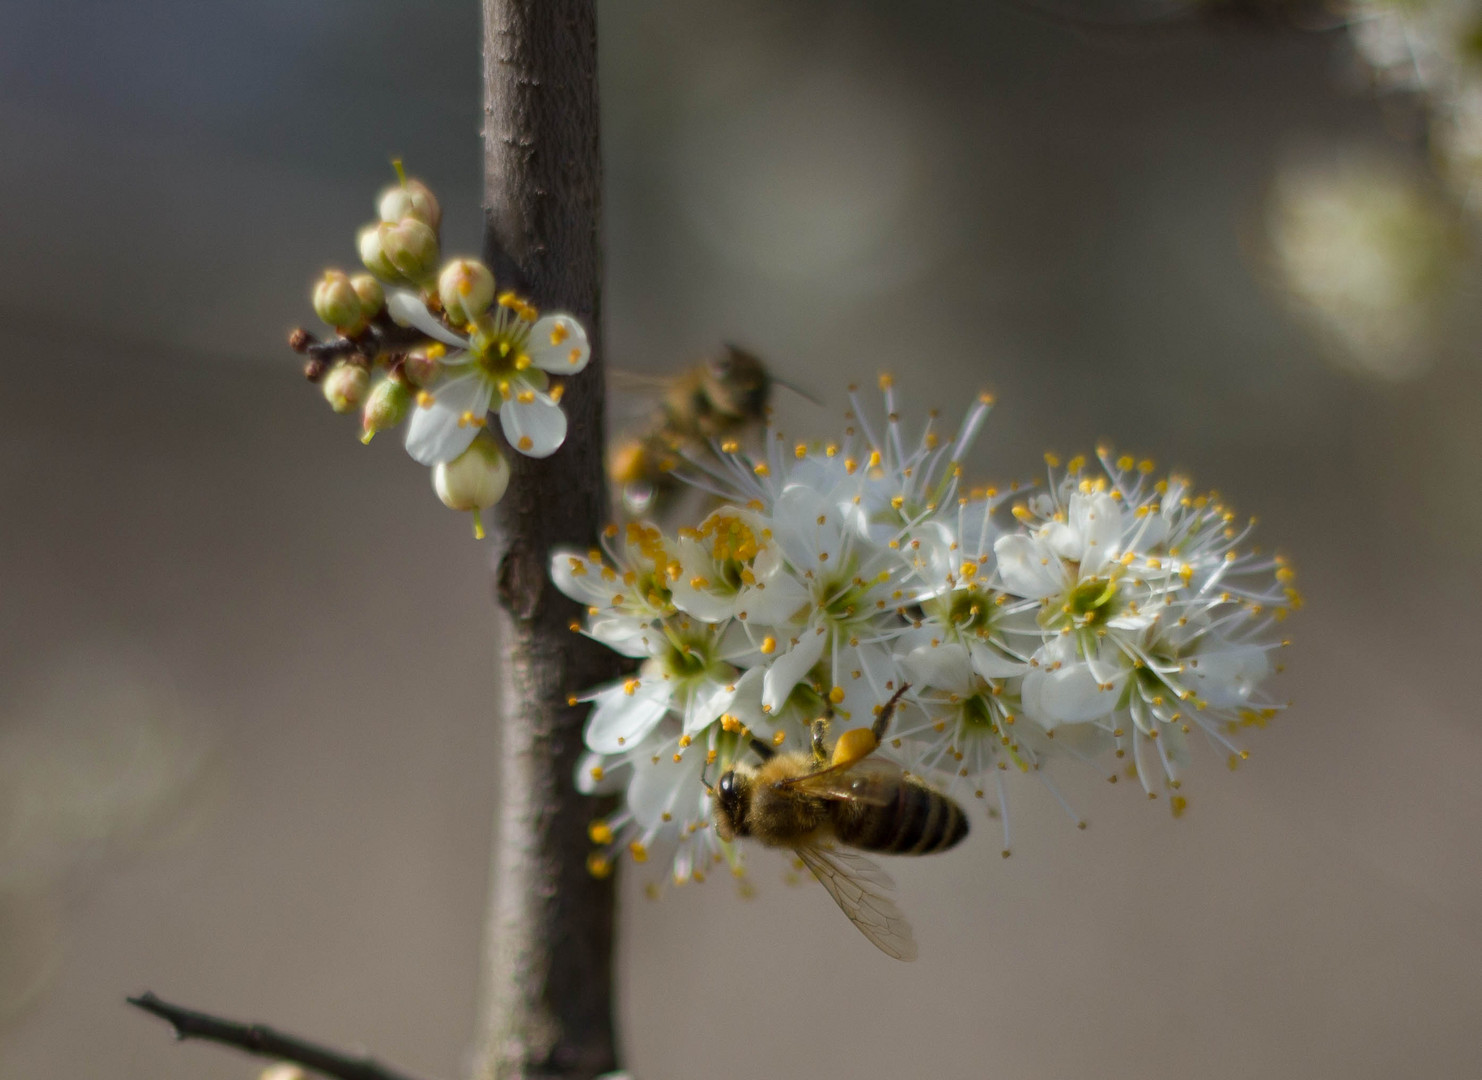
{"type": "Point", "coordinates": [411, 247]}
{"type": "Point", "coordinates": [344, 387]}
{"type": "Point", "coordinates": [466, 288]}
{"type": "Point", "coordinates": [387, 406]}
{"type": "Point", "coordinates": [373, 254]}
{"type": "Point", "coordinates": [473, 481]}
{"type": "Point", "coordinates": [409, 199]}
{"type": "Point", "coordinates": [372, 298]}
{"type": "Point", "coordinates": [338, 304]}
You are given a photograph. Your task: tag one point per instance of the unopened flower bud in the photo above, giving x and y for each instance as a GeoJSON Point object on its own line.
{"type": "Point", "coordinates": [345, 386]}
{"type": "Point", "coordinates": [373, 254]}
{"type": "Point", "coordinates": [372, 297]}
{"type": "Point", "coordinates": [338, 304]}
{"type": "Point", "coordinates": [409, 199]}
{"type": "Point", "coordinates": [467, 289]}
{"type": "Point", "coordinates": [419, 369]}
{"type": "Point", "coordinates": [385, 408]}
{"type": "Point", "coordinates": [473, 481]}
{"type": "Point", "coordinates": [411, 248]}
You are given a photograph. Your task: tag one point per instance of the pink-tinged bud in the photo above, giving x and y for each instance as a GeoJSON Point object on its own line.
{"type": "Point", "coordinates": [473, 481]}
{"type": "Point", "coordinates": [338, 304]}
{"type": "Point", "coordinates": [420, 370]}
{"type": "Point", "coordinates": [345, 386]}
{"type": "Point", "coordinates": [387, 406]}
{"type": "Point", "coordinates": [411, 247]}
{"type": "Point", "coordinates": [409, 199]}
{"type": "Point", "coordinates": [372, 297]}
{"type": "Point", "coordinates": [466, 288]}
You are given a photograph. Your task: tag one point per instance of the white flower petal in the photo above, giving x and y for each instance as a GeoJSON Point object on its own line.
{"type": "Point", "coordinates": [558, 344]}
{"type": "Point", "coordinates": [611, 776]}
{"type": "Point", "coordinates": [940, 667]}
{"type": "Point", "coordinates": [1027, 567]}
{"type": "Point", "coordinates": [667, 787]}
{"type": "Point", "coordinates": [535, 428]}
{"type": "Point", "coordinates": [787, 670]}
{"type": "Point", "coordinates": [619, 718]}
{"type": "Point", "coordinates": [407, 309]}
{"type": "Point", "coordinates": [992, 664]}
{"type": "Point", "coordinates": [1098, 518]}
{"type": "Point", "coordinates": [1229, 676]}
{"type": "Point", "coordinates": [438, 432]}
{"type": "Point", "coordinates": [707, 705]}
{"type": "Point", "coordinates": [581, 578]}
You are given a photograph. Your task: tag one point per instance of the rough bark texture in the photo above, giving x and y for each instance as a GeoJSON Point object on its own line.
{"type": "Point", "coordinates": [547, 996]}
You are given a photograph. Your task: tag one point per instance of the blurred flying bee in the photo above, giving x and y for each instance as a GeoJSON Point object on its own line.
{"type": "Point", "coordinates": [716, 399]}
{"type": "Point", "coordinates": [812, 802]}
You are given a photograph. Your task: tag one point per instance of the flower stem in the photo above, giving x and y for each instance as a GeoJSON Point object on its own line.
{"type": "Point", "coordinates": [546, 1003]}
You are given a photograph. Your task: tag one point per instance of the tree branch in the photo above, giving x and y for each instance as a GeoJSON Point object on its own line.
{"type": "Point", "coordinates": [546, 1009]}
{"type": "Point", "coordinates": [263, 1040]}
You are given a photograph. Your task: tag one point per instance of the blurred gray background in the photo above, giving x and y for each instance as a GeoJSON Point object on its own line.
{"type": "Point", "coordinates": [246, 741]}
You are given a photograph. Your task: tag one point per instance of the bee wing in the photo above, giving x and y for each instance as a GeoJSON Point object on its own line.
{"type": "Point", "coordinates": [872, 780]}
{"type": "Point", "coordinates": [861, 889]}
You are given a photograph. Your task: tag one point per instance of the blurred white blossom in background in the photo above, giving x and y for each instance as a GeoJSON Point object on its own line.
{"type": "Point", "coordinates": [1370, 254]}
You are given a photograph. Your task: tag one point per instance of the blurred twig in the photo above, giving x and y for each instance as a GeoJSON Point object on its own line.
{"type": "Point", "coordinates": [547, 982]}
{"type": "Point", "coordinates": [263, 1040]}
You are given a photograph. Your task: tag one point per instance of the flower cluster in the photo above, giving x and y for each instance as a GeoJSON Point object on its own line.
{"type": "Point", "coordinates": [1104, 613]}
{"type": "Point", "coordinates": [450, 351]}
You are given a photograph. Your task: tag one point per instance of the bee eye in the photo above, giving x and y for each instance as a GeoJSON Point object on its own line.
{"type": "Point", "coordinates": [727, 785]}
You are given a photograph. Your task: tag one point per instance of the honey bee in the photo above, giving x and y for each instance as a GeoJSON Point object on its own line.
{"type": "Point", "coordinates": [814, 801]}
{"type": "Point", "coordinates": [715, 399]}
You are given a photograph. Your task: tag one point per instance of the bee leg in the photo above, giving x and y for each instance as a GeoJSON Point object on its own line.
{"type": "Point", "coordinates": [883, 720]}
{"type": "Point", "coordinates": [820, 732]}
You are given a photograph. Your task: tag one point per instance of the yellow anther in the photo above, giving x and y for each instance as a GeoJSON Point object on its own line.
{"type": "Point", "coordinates": [874, 459]}
{"type": "Point", "coordinates": [730, 446]}
{"type": "Point", "coordinates": [560, 332]}
{"type": "Point", "coordinates": [600, 832]}
{"type": "Point", "coordinates": [436, 351]}
{"type": "Point", "coordinates": [1052, 460]}
{"type": "Point", "coordinates": [887, 381]}
{"type": "Point", "coordinates": [836, 695]}
{"type": "Point", "coordinates": [769, 645]}
{"type": "Point", "coordinates": [800, 450]}
{"type": "Point", "coordinates": [525, 442]}
{"type": "Point", "coordinates": [778, 738]}
{"type": "Point", "coordinates": [596, 772]}
{"type": "Point", "coordinates": [760, 468]}
{"type": "Point", "coordinates": [557, 392]}
{"type": "Point", "coordinates": [638, 851]}
{"type": "Point", "coordinates": [850, 465]}
{"type": "Point", "coordinates": [599, 865]}
{"type": "Point", "coordinates": [522, 362]}
{"type": "Point", "coordinates": [985, 398]}
{"type": "Point", "coordinates": [831, 449]}
{"type": "Point", "coordinates": [630, 686]}
{"type": "Point", "coordinates": [1146, 465]}
{"type": "Point", "coordinates": [424, 399]}
{"type": "Point", "coordinates": [574, 357]}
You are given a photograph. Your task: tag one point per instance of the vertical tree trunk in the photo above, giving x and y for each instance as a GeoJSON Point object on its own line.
{"type": "Point", "coordinates": [546, 1008]}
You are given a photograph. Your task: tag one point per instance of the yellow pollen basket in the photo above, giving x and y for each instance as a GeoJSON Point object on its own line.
{"type": "Point", "coordinates": [854, 745]}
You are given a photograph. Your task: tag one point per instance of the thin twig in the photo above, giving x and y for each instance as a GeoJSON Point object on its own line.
{"type": "Point", "coordinates": [263, 1040]}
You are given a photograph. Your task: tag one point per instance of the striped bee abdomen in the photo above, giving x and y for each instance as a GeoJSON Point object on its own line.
{"type": "Point", "coordinates": [919, 822]}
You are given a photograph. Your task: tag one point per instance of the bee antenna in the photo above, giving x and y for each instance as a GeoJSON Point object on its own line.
{"type": "Point", "coordinates": [796, 389]}
{"type": "Point", "coordinates": [763, 751]}
{"type": "Point", "coordinates": [706, 783]}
